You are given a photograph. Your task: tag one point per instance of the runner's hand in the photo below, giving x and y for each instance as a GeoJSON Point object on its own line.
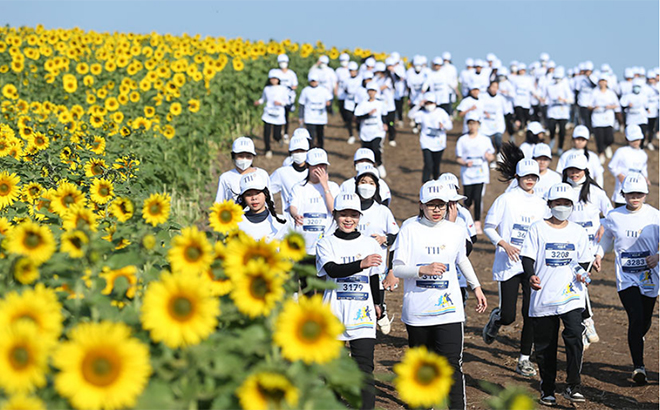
{"type": "Point", "coordinates": [511, 251]}
{"type": "Point", "coordinates": [371, 260]}
{"type": "Point", "coordinates": [535, 282]}
{"type": "Point", "coordinates": [433, 269]}
{"type": "Point", "coordinates": [390, 281]}
{"type": "Point", "coordinates": [299, 220]}
{"type": "Point", "coordinates": [482, 303]}
{"type": "Point", "coordinates": [652, 261]}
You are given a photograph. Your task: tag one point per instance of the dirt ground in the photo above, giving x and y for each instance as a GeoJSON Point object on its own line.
{"type": "Point", "coordinates": [607, 365]}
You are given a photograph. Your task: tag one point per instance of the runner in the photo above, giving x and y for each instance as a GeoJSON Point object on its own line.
{"type": "Point", "coordinates": [260, 220]}
{"type": "Point", "coordinates": [287, 176]}
{"type": "Point", "coordinates": [626, 160]}
{"type": "Point", "coordinates": [314, 103]}
{"type": "Point", "coordinates": [470, 104]}
{"type": "Point", "coordinates": [603, 104]}
{"type": "Point", "coordinates": [558, 97]}
{"type": "Point", "coordinates": [535, 135]}
{"type": "Point", "coordinates": [372, 130]}
{"type": "Point", "coordinates": [551, 252]}
{"type": "Point", "coordinates": [242, 154]}
{"type": "Point", "coordinates": [385, 81]}
{"type": "Point", "coordinates": [362, 158]}
{"type": "Point", "coordinates": [653, 93]}
{"type": "Point", "coordinates": [434, 123]}
{"type": "Point", "coordinates": [415, 79]}
{"type": "Point", "coordinates": [289, 79]}
{"type": "Point", "coordinates": [580, 141]}
{"type": "Point", "coordinates": [632, 232]}
{"type": "Point", "coordinates": [635, 105]}
{"type": "Point", "coordinates": [426, 254]}
{"type": "Point", "coordinates": [275, 97]}
{"type": "Point", "coordinates": [350, 88]}
{"type": "Point", "coordinates": [494, 107]}
{"type": "Point", "coordinates": [524, 87]}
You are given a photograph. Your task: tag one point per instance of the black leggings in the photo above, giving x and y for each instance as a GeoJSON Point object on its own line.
{"type": "Point", "coordinates": [640, 314]}
{"type": "Point", "coordinates": [277, 134]}
{"type": "Point", "coordinates": [362, 351]}
{"type": "Point", "coordinates": [446, 107]}
{"type": "Point", "coordinates": [652, 129]}
{"type": "Point", "coordinates": [287, 111]}
{"type": "Point", "coordinates": [473, 194]}
{"type": "Point", "coordinates": [316, 133]}
{"type": "Point", "coordinates": [445, 340]}
{"type": "Point", "coordinates": [374, 145]}
{"type": "Point", "coordinates": [398, 105]}
{"type": "Point", "coordinates": [388, 120]}
{"type": "Point", "coordinates": [604, 138]}
{"type": "Point", "coordinates": [585, 118]}
{"type": "Point", "coordinates": [522, 115]}
{"type": "Point", "coordinates": [552, 124]}
{"type": "Point", "coordinates": [347, 117]}
{"type": "Point", "coordinates": [508, 120]}
{"type": "Point", "coordinates": [432, 161]}
{"type": "Point", "coordinates": [508, 303]}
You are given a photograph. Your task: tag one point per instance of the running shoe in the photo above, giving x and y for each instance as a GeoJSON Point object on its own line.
{"type": "Point", "coordinates": [490, 330]}
{"type": "Point", "coordinates": [269, 154]}
{"type": "Point", "coordinates": [525, 368]}
{"type": "Point", "coordinates": [650, 146]}
{"type": "Point", "coordinates": [286, 138]}
{"type": "Point", "coordinates": [585, 342]}
{"type": "Point", "coordinates": [573, 394]}
{"type": "Point", "coordinates": [381, 171]}
{"type": "Point", "coordinates": [392, 143]}
{"type": "Point", "coordinates": [639, 376]}
{"type": "Point", "coordinates": [602, 158]}
{"type": "Point", "coordinates": [548, 400]}
{"type": "Point", "coordinates": [351, 140]}
{"type": "Point", "coordinates": [608, 152]}
{"type": "Point", "coordinates": [590, 330]}
{"type": "Point", "coordinates": [385, 324]}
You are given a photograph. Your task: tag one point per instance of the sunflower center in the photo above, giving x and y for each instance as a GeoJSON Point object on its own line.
{"type": "Point", "coordinates": [100, 370]}
{"type": "Point", "coordinates": [225, 216]}
{"type": "Point", "coordinates": [259, 287]}
{"type": "Point", "coordinates": [426, 373]}
{"type": "Point", "coordinates": [33, 191]}
{"type": "Point", "coordinates": [311, 330]}
{"type": "Point", "coordinates": [32, 240]}
{"type": "Point", "coordinates": [193, 253]}
{"type": "Point", "coordinates": [19, 357]}
{"type": "Point", "coordinates": [68, 200]}
{"type": "Point", "coordinates": [97, 169]}
{"type": "Point", "coordinates": [76, 242]}
{"type": "Point", "coordinates": [4, 189]}
{"type": "Point", "coordinates": [181, 308]}
{"type": "Point", "coordinates": [274, 395]}
{"type": "Point", "coordinates": [104, 191]}
{"type": "Point", "coordinates": [294, 245]}
{"type": "Point", "coordinates": [154, 209]}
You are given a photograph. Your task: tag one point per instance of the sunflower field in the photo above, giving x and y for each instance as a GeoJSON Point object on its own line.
{"type": "Point", "coordinates": [120, 286]}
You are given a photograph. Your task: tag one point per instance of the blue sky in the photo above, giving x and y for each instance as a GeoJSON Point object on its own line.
{"type": "Point", "coordinates": [621, 33]}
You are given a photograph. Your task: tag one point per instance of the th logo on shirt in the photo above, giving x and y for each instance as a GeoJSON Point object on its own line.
{"type": "Point", "coordinates": [434, 250]}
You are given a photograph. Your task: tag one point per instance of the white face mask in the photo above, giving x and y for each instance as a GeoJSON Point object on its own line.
{"type": "Point", "coordinates": [578, 182]}
{"type": "Point", "coordinates": [561, 212]}
{"type": "Point", "coordinates": [366, 191]}
{"type": "Point", "coordinates": [323, 65]}
{"type": "Point", "coordinates": [243, 164]}
{"type": "Point", "coordinates": [344, 63]}
{"type": "Point", "coordinates": [299, 157]}
{"type": "Point", "coordinates": [284, 65]}
{"type": "Point", "coordinates": [429, 107]}
{"type": "Point", "coordinates": [418, 68]}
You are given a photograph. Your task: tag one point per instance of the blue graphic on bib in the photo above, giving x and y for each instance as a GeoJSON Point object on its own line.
{"type": "Point", "coordinates": [559, 254]}
{"type": "Point", "coordinates": [363, 313]}
{"type": "Point", "coordinates": [646, 280]}
{"type": "Point", "coordinates": [518, 234]}
{"type": "Point", "coordinates": [634, 262]}
{"type": "Point", "coordinates": [586, 226]}
{"type": "Point", "coordinates": [361, 319]}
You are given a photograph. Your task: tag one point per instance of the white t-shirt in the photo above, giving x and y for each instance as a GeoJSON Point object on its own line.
{"type": "Point", "coordinates": [555, 251]}
{"type": "Point", "coordinates": [378, 220]}
{"type": "Point", "coordinates": [511, 214]}
{"type": "Point", "coordinates": [634, 236]}
{"type": "Point", "coordinates": [383, 188]}
{"type": "Point", "coordinates": [467, 103]}
{"type": "Point", "coordinates": [474, 149]}
{"type": "Point", "coordinates": [556, 109]}
{"type": "Point", "coordinates": [465, 220]}
{"type": "Point", "coordinates": [229, 184]}
{"type": "Point", "coordinates": [596, 169]}
{"type": "Point", "coordinates": [351, 302]}
{"type": "Point", "coordinates": [464, 80]}
{"type": "Point", "coordinates": [385, 95]}
{"type": "Point", "coordinates": [507, 90]}
{"type": "Point", "coordinates": [626, 160]}
{"type": "Point", "coordinates": [431, 136]}
{"type": "Point", "coordinates": [274, 114]}
{"type": "Point", "coordinates": [289, 79]}
{"type": "Point", "coordinates": [601, 116]}
{"type": "Point", "coordinates": [342, 75]}
{"type": "Point", "coordinates": [283, 180]}
{"type": "Point", "coordinates": [431, 300]}
{"type": "Point", "coordinates": [327, 78]}
{"type": "Point", "coordinates": [269, 228]}
{"type": "Point", "coordinates": [438, 84]}
{"type": "Point", "coordinates": [585, 88]}
{"type": "Point", "coordinates": [372, 126]}
{"type": "Point", "coordinates": [636, 108]}
{"type": "Point", "coordinates": [494, 108]}
{"type": "Point", "coordinates": [415, 81]}
{"type": "Point", "coordinates": [523, 86]}
{"type": "Point", "coordinates": [309, 200]}
{"type": "Point", "coordinates": [588, 214]}
{"type": "Point", "coordinates": [350, 88]}
{"type": "Point", "coordinates": [653, 94]}
{"type": "Point", "coordinates": [315, 99]}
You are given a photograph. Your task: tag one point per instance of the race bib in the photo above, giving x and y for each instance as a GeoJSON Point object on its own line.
{"type": "Point", "coordinates": [559, 254]}
{"type": "Point", "coordinates": [314, 222]}
{"type": "Point", "coordinates": [318, 107]}
{"type": "Point", "coordinates": [634, 262]}
{"type": "Point", "coordinates": [433, 281]}
{"type": "Point", "coordinates": [272, 111]}
{"type": "Point", "coordinates": [371, 121]}
{"type": "Point", "coordinates": [518, 234]}
{"type": "Point", "coordinates": [353, 288]}
{"type": "Point", "coordinates": [433, 132]}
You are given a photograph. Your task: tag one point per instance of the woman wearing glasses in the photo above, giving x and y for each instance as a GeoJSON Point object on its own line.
{"type": "Point", "coordinates": [426, 253]}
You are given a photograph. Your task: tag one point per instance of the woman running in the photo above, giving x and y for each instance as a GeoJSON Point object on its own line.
{"type": "Point", "coordinates": [260, 220]}
{"type": "Point", "coordinates": [372, 130]}
{"type": "Point", "coordinates": [314, 102]}
{"type": "Point", "coordinates": [580, 141]}
{"type": "Point", "coordinates": [274, 98]}
{"type": "Point", "coordinates": [626, 160]}
{"type": "Point", "coordinates": [288, 79]}
{"type": "Point", "coordinates": [603, 104]}
{"type": "Point", "coordinates": [434, 122]}
{"type": "Point", "coordinates": [364, 157]}
{"type": "Point", "coordinates": [287, 176]}
{"type": "Point", "coordinates": [242, 154]}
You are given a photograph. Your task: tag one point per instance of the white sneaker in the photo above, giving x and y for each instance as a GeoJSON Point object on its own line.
{"type": "Point", "coordinates": [269, 154]}
{"type": "Point", "coordinates": [399, 124]}
{"type": "Point", "coordinates": [351, 140]}
{"type": "Point", "coordinates": [608, 152]}
{"type": "Point", "coordinates": [650, 146]}
{"type": "Point", "coordinates": [385, 324]}
{"type": "Point", "coordinates": [381, 171]}
{"type": "Point", "coordinates": [585, 342]}
{"type": "Point", "coordinates": [412, 124]}
{"type": "Point", "coordinates": [392, 143]}
{"type": "Point", "coordinates": [415, 130]}
{"type": "Point", "coordinates": [590, 330]}
{"type": "Point", "coordinates": [286, 138]}
{"type": "Point", "coordinates": [602, 158]}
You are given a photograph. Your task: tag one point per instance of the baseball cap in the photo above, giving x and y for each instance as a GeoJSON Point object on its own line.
{"type": "Point", "coordinates": [473, 116]}
{"type": "Point", "coordinates": [390, 61]}
{"type": "Point", "coordinates": [301, 132]}
{"type": "Point", "coordinates": [578, 161]}
{"type": "Point", "coordinates": [449, 179]}
{"type": "Point", "coordinates": [503, 71]}
{"type": "Point", "coordinates": [253, 180]}
{"type": "Point", "coordinates": [438, 61]}
{"type": "Point", "coordinates": [353, 66]}
{"type": "Point", "coordinates": [559, 72]}
{"type": "Point", "coordinates": [446, 55]}
{"type": "Point", "coordinates": [434, 190]}
{"type": "Point", "coordinates": [542, 150]}
{"type": "Point", "coordinates": [469, 62]}
{"type": "Point", "coordinates": [581, 131]}
{"type": "Point", "coordinates": [243, 144]}
{"type": "Point", "coordinates": [299, 142]}
{"type": "Point", "coordinates": [552, 64]}
{"type": "Point", "coordinates": [372, 86]}
{"type": "Point", "coordinates": [561, 191]}
{"type": "Point", "coordinates": [490, 57]}
{"type": "Point", "coordinates": [522, 66]}
{"type": "Point", "coordinates": [544, 57]}
{"type": "Point", "coordinates": [370, 62]}
{"type": "Point", "coordinates": [344, 57]}
{"type": "Point", "coordinates": [380, 66]}
{"type": "Point", "coordinates": [634, 182]}
{"type": "Point", "coordinates": [526, 167]}
{"type": "Point", "coordinates": [588, 65]}
{"type": "Point", "coordinates": [454, 195]}
{"type": "Point", "coordinates": [364, 153]}
{"type": "Point", "coordinates": [367, 75]}
{"type": "Point", "coordinates": [274, 73]}
{"type": "Point", "coordinates": [324, 59]}
{"type": "Point", "coordinates": [282, 58]}
{"type": "Point", "coordinates": [368, 169]}
{"type": "Point", "coordinates": [634, 132]}
{"type": "Point", "coordinates": [430, 97]}
{"type": "Point", "coordinates": [478, 62]}
{"type": "Point", "coordinates": [347, 200]}
{"type": "Point", "coordinates": [628, 73]}
{"type": "Point", "coordinates": [312, 76]}
{"type": "Point", "coordinates": [535, 127]}
{"type": "Point", "coordinates": [418, 60]}
{"type": "Point", "coordinates": [396, 56]}
{"type": "Point", "coordinates": [317, 156]}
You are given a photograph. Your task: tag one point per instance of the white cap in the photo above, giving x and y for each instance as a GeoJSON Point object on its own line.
{"type": "Point", "coordinates": [390, 61]}
{"type": "Point", "coordinates": [243, 144]}
{"type": "Point", "coordinates": [578, 161]}
{"type": "Point", "coordinates": [282, 58]}
{"type": "Point", "coordinates": [544, 57]}
{"type": "Point", "coordinates": [514, 63]}
{"type": "Point", "coordinates": [603, 77]}
{"type": "Point", "coordinates": [316, 156]}
{"type": "Point", "coordinates": [473, 116]}
{"type": "Point", "coordinates": [396, 56]}
{"type": "Point", "coordinates": [364, 153]}
{"type": "Point", "coordinates": [522, 66]}
{"type": "Point", "coordinates": [253, 180]}
{"type": "Point", "coordinates": [570, 72]}
{"type": "Point", "coordinates": [628, 73]}
{"type": "Point", "coordinates": [446, 55]}
{"type": "Point", "coordinates": [368, 169]}
{"type": "Point", "coordinates": [588, 65]}
{"type": "Point", "coordinates": [469, 62]}
{"type": "Point", "coordinates": [344, 57]}
{"type": "Point", "coordinates": [312, 76]}
{"type": "Point", "coordinates": [641, 70]}
{"type": "Point", "coordinates": [299, 142]}
{"type": "Point", "coordinates": [561, 191]}
{"type": "Point", "coordinates": [353, 66]}
{"type": "Point", "coordinates": [367, 75]}
{"type": "Point", "coordinates": [527, 166]}
{"type": "Point", "coordinates": [435, 190]}
{"type": "Point", "coordinates": [634, 182]}
{"type": "Point", "coordinates": [552, 64]}
{"type": "Point", "coordinates": [559, 72]}
{"type": "Point", "coordinates": [324, 59]}
{"type": "Point", "coordinates": [605, 68]}
{"type": "Point", "coordinates": [301, 132]}
{"type": "Point", "coordinates": [274, 73]}
{"type": "Point", "coordinates": [491, 57]}
{"type": "Point", "coordinates": [581, 131]}
{"type": "Point", "coordinates": [503, 71]}
{"type": "Point", "coordinates": [535, 127]}
{"type": "Point", "coordinates": [438, 61]}
{"type": "Point", "coordinates": [634, 132]}
{"type": "Point", "coordinates": [453, 194]}
{"type": "Point", "coordinates": [380, 66]}
{"type": "Point", "coordinates": [638, 81]}
{"type": "Point", "coordinates": [430, 97]}
{"type": "Point", "coordinates": [372, 86]}
{"type": "Point", "coordinates": [651, 74]}
{"type": "Point", "coordinates": [449, 179]}
{"type": "Point", "coordinates": [542, 150]}
{"type": "Point", "coordinates": [418, 60]}
{"type": "Point", "coordinates": [370, 62]}
{"type": "Point", "coordinates": [497, 64]}
{"type": "Point", "coordinates": [346, 200]}
{"type": "Point", "coordinates": [478, 62]}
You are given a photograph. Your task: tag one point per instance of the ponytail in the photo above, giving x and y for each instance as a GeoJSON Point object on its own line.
{"type": "Point", "coordinates": [586, 152]}
{"type": "Point", "coordinates": [511, 155]}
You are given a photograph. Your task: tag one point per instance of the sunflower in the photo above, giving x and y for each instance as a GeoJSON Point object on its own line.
{"type": "Point", "coordinates": [23, 358]}
{"type": "Point", "coordinates": [308, 331]}
{"type": "Point", "coordinates": [33, 191]}
{"type": "Point", "coordinates": [102, 366]}
{"type": "Point", "coordinates": [293, 246]}
{"type": "Point", "coordinates": [193, 105]}
{"type": "Point", "coordinates": [520, 401]}
{"type": "Point", "coordinates": [5, 226]}
{"type": "Point", "coordinates": [175, 108]}
{"type": "Point", "coordinates": [97, 146]}
{"type": "Point", "coordinates": [257, 290]}
{"type": "Point", "coordinates": [95, 167]}
{"type": "Point", "coordinates": [244, 249]}
{"type": "Point", "coordinates": [122, 209]}
{"type": "Point", "coordinates": [23, 402]}
{"type": "Point", "coordinates": [156, 209]}
{"type": "Point", "coordinates": [191, 252]}
{"type": "Point", "coordinates": [73, 243]}
{"type": "Point", "coordinates": [32, 240]}
{"type": "Point", "coordinates": [110, 276]}
{"type": "Point", "coordinates": [39, 141]}
{"type": "Point", "coordinates": [26, 271]}
{"type": "Point", "coordinates": [101, 191]}
{"type": "Point", "coordinates": [79, 216]}
{"type": "Point", "coordinates": [9, 190]}
{"type": "Point", "coordinates": [38, 306]}
{"type": "Point", "coordinates": [66, 196]}
{"type": "Point", "coordinates": [423, 378]}
{"type": "Point", "coordinates": [267, 390]}
{"type": "Point", "coordinates": [219, 282]}
{"type": "Point", "coordinates": [225, 216]}
{"type": "Point", "coordinates": [179, 310]}
{"type": "Point", "coordinates": [70, 83]}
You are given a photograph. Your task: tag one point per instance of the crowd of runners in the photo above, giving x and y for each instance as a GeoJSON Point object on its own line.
{"type": "Point", "coordinates": [549, 230]}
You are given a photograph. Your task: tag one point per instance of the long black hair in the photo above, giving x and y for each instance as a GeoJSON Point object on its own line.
{"type": "Point", "coordinates": [511, 156]}
{"type": "Point", "coordinates": [269, 204]}
{"type": "Point", "coordinates": [376, 196]}
{"type": "Point", "coordinates": [584, 192]}
{"type": "Point", "coordinates": [532, 138]}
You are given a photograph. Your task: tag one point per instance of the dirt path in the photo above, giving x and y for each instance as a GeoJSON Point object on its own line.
{"type": "Point", "coordinates": [607, 365]}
